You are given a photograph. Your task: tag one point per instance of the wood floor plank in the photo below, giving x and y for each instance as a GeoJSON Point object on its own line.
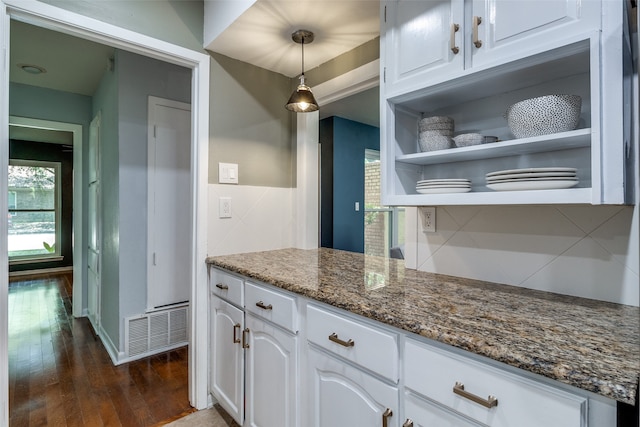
{"type": "Point", "coordinates": [61, 375]}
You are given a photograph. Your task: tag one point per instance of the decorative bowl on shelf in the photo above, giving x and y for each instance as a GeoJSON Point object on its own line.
{"type": "Point", "coordinates": [544, 115]}
{"type": "Point", "coordinates": [436, 123]}
{"type": "Point", "coordinates": [434, 140]}
{"type": "Point", "coordinates": [468, 139]}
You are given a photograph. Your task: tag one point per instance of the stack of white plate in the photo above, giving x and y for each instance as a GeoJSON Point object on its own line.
{"type": "Point", "coordinates": [532, 179]}
{"type": "Point", "coordinates": [440, 186]}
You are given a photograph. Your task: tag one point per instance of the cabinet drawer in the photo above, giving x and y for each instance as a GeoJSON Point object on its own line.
{"type": "Point", "coordinates": [272, 305]}
{"type": "Point", "coordinates": [362, 344]}
{"type": "Point", "coordinates": [226, 286]}
{"type": "Point", "coordinates": [433, 373]}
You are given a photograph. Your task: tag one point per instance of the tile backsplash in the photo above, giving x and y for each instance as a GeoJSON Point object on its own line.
{"type": "Point", "coordinates": [587, 251]}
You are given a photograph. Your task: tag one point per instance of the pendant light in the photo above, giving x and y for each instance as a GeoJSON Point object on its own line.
{"type": "Point", "coordinates": [302, 100]}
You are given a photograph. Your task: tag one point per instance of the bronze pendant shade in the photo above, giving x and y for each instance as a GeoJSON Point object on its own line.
{"type": "Point", "coordinates": [302, 99]}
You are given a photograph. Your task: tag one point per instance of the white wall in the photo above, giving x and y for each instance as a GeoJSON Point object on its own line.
{"type": "Point", "coordinates": [262, 219]}
{"type": "Point", "coordinates": [587, 251]}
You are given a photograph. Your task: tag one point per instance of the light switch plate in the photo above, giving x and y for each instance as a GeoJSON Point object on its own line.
{"type": "Point", "coordinates": [227, 173]}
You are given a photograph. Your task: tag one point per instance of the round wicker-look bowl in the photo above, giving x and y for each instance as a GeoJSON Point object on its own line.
{"type": "Point", "coordinates": [434, 140]}
{"type": "Point", "coordinates": [544, 115]}
{"type": "Point", "coordinates": [435, 123]}
{"type": "Point", "coordinates": [468, 139]}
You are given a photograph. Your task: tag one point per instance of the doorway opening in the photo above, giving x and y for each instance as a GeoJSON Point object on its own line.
{"type": "Point", "coordinates": [47, 16]}
{"type": "Point", "coordinates": [383, 225]}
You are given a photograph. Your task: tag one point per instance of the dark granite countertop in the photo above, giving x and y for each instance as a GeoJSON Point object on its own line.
{"type": "Point", "coordinates": [585, 343]}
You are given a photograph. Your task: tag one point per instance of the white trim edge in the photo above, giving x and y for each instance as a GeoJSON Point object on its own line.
{"type": "Point", "coordinates": [357, 80]}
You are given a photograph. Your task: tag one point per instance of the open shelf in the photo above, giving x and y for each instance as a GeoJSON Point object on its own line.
{"type": "Point", "coordinates": [489, 197]}
{"type": "Point", "coordinates": [545, 143]}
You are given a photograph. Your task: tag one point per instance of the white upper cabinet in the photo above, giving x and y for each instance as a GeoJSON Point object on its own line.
{"type": "Point", "coordinates": [428, 41]}
{"type": "Point", "coordinates": [419, 41]}
{"type": "Point", "coordinates": [470, 60]}
{"type": "Point", "coordinates": [499, 30]}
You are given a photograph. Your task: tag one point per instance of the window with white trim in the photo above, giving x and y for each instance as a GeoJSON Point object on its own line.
{"type": "Point", "coordinates": [34, 210]}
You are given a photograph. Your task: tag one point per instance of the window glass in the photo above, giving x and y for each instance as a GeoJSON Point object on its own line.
{"type": "Point", "coordinates": [34, 217]}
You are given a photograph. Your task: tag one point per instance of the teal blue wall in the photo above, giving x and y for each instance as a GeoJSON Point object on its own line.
{"type": "Point", "coordinates": [350, 140]}
{"type": "Point", "coordinates": [105, 102]}
{"type": "Point", "coordinates": [48, 104]}
{"type": "Point", "coordinates": [122, 98]}
{"type": "Point", "coordinates": [138, 78]}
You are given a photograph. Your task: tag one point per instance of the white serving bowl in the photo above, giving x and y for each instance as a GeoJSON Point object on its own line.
{"type": "Point", "coordinates": [468, 139]}
{"type": "Point", "coordinates": [544, 115]}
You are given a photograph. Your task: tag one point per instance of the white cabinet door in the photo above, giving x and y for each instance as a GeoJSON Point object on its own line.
{"type": "Point", "coordinates": [511, 29]}
{"type": "Point", "coordinates": [418, 41]}
{"type": "Point", "coordinates": [341, 395]}
{"type": "Point", "coordinates": [271, 369]}
{"type": "Point", "coordinates": [227, 357]}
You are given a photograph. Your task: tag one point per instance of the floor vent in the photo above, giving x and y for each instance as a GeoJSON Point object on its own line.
{"type": "Point", "coordinates": [157, 331]}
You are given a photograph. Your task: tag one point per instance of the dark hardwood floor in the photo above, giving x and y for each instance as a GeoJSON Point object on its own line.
{"type": "Point", "coordinates": [61, 375]}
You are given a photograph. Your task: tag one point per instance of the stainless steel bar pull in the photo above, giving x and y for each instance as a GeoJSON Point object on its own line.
{"type": "Point", "coordinates": [489, 402]}
{"type": "Point", "coordinates": [334, 337]}
{"type": "Point", "coordinates": [264, 307]}
{"type": "Point", "coordinates": [222, 286]}
{"type": "Point", "coordinates": [385, 417]}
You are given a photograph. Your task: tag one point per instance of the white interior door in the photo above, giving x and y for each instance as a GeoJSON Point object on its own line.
{"type": "Point", "coordinates": [169, 203]}
{"type": "Point", "coordinates": [94, 217]}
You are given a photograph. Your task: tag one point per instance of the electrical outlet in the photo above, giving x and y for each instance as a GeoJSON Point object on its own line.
{"type": "Point", "coordinates": [428, 219]}
{"type": "Point", "coordinates": [224, 207]}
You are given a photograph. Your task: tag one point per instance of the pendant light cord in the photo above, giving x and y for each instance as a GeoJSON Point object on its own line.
{"type": "Point", "coordinates": [303, 56]}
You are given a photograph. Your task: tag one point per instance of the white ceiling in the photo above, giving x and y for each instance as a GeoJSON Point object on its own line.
{"type": "Point", "coordinates": [73, 64]}
{"type": "Point", "coordinates": [262, 35]}
{"type": "Point", "coordinates": [76, 65]}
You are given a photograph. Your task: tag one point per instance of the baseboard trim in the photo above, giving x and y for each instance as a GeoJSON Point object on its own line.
{"type": "Point", "coordinates": [40, 271]}
{"type": "Point", "coordinates": [108, 345]}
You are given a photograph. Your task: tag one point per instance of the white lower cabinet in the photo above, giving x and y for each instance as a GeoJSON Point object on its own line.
{"type": "Point", "coordinates": [342, 395]}
{"type": "Point", "coordinates": [334, 369]}
{"type": "Point", "coordinates": [254, 352]}
{"type": "Point", "coordinates": [227, 357]}
{"type": "Point", "coordinates": [271, 375]}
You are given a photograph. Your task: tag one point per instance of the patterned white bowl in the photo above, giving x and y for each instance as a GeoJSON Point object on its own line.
{"type": "Point", "coordinates": [434, 140]}
{"type": "Point", "coordinates": [435, 122]}
{"type": "Point", "coordinates": [544, 115]}
{"type": "Point", "coordinates": [468, 139]}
